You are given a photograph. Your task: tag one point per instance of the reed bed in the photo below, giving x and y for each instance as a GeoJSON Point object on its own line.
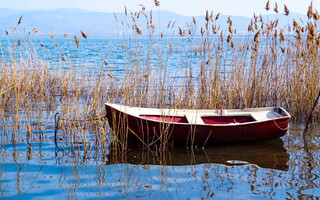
{"type": "Point", "coordinates": [268, 66]}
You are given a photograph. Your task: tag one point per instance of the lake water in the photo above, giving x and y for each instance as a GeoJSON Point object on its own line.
{"type": "Point", "coordinates": [285, 168]}
{"type": "Point", "coordinates": [117, 55]}
{"type": "Point", "coordinates": [273, 169]}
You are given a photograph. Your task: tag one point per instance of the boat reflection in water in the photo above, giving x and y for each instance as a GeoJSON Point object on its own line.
{"type": "Point", "coordinates": [266, 154]}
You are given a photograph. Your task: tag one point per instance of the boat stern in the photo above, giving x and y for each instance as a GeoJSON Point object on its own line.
{"type": "Point", "coordinates": [282, 112]}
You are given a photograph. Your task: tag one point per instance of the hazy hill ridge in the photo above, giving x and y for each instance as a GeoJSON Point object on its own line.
{"type": "Point", "coordinates": [101, 23]}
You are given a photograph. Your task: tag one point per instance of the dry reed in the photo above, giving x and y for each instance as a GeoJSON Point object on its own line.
{"type": "Point", "coordinates": [268, 69]}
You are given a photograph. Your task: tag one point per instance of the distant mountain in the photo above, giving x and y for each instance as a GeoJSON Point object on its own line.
{"type": "Point", "coordinates": [71, 21]}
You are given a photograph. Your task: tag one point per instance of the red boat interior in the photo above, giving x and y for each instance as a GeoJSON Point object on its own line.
{"type": "Point", "coordinates": [166, 118]}
{"type": "Point", "coordinates": [226, 119]}
{"type": "Point", "coordinates": [205, 119]}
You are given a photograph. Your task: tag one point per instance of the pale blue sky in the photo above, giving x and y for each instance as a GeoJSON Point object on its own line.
{"type": "Point", "coordinates": [184, 7]}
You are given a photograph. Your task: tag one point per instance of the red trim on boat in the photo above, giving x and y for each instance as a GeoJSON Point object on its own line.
{"type": "Point", "coordinates": [227, 119]}
{"type": "Point", "coordinates": [165, 118]}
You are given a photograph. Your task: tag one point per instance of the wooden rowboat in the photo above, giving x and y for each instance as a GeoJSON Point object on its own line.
{"type": "Point", "coordinates": [198, 126]}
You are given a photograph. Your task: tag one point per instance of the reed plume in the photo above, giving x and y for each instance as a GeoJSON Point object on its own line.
{"type": "Point", "coordinates": [84, 35]}
{"type": "Point", "coordinates": [276, 8]}
{"type": "Point", "coordinates": [77, 41]}
{"type": "Point", "coordinates": [286, 10]}
{"type": "Point", "coordinates": [63, 58]}
{"type": "Point", "coordinates": [181, 32]}
{"type": "Point", "coordinates": [267, 6]}
{"type": "Point", "coordinates": [217, 16]}
{"type": "Point", "coordinates": [19, 22]}
{"type": "Point", "coordinates": [156, 3]}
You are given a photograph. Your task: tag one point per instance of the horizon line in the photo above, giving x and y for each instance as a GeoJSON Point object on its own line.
{"type": "Point", "coordinates": [86, 10]}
